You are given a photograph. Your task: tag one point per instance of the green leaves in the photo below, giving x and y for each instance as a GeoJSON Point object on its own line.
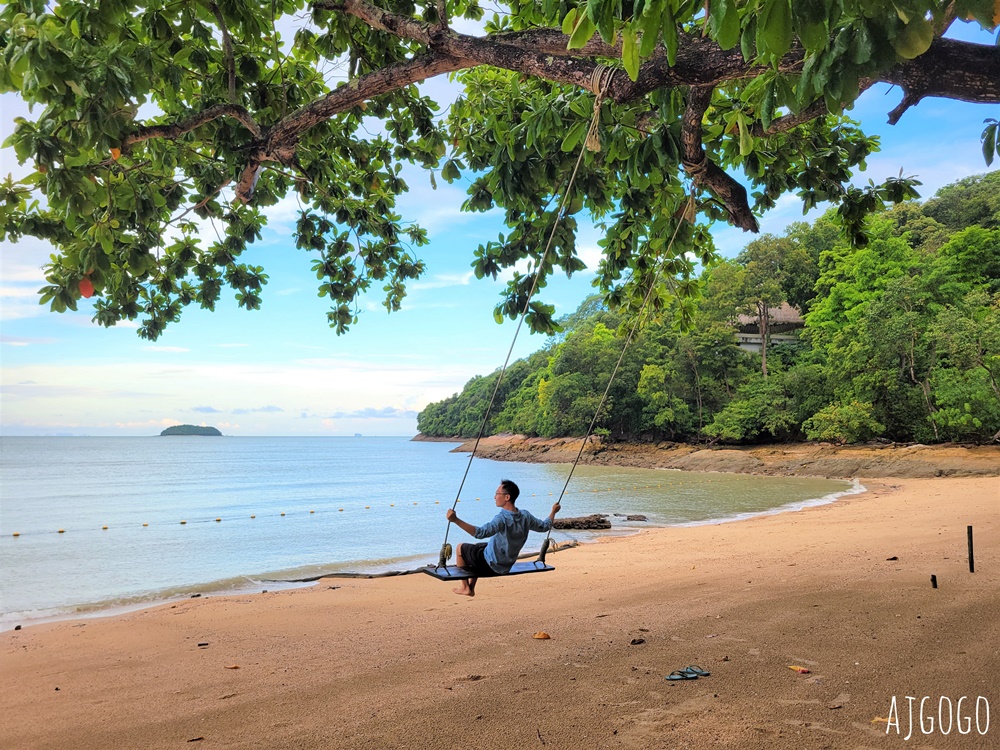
{"type": "Point", "coordinates": [812, 23]}
{"type": "Point", "coordinates": [724, 22]}
{"type": "Point", "coordinates": [986, 12]}
{"type": "Point", "coordinates": [914, 39]}
{"type": "Point", "coordinates": [128, 147]}
{"type": "Point", "coordinates": [630, 51]}
{"type": "Point", "coordinates": [991, 140]}
{"type": "Point", "coordinates": [579, 27]}
{"type": "Point", "coordinates": [774, 27]}
{"type": "Point", "coordinates": [574, 136]}
{"type": "Point", "coordinates": [450, 171]}
{"type": "Point", "coordinates": [746, 140]}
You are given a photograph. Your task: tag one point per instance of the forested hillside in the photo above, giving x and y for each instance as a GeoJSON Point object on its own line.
{"type": "Point", "coordinates": [901, 341]}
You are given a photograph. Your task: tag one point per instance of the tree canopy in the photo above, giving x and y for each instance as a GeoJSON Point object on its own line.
{"type": "Point", "coordinates": [901, 341]}
{"type": "Point", "coordinates": [153, 118]}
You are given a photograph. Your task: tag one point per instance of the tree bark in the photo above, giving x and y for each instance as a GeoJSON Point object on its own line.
{"type": "Point", "coordinates": [763, 318]}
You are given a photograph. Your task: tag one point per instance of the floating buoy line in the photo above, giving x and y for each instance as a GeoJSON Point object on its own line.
{"type": "Point", "coordinates": [311, 511]}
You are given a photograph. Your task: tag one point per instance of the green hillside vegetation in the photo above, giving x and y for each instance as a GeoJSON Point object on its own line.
{"type": "Point", "coordinates": [900, 342]}
{"type": "Point", "coordinates": [190, 429]}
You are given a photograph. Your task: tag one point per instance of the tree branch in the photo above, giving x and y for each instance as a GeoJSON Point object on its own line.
{"type": "Point", "coordinates": [705, 173]}
{"type": "Point", "coordinates": [248, 181]}
{"type": "Point", "coordinates": [952, 69]}
{"type": "Point", "coordinates": [279, 143]}
{"type": "Point", "coordinates": [176, 130]}
{"type": "Point", "coordinates": [817, 109]}
{"type": "Point", "coordinates": [227, 48]}
{"type": "Point", "coordinates": [404, 27]}
{"type": "Point", "coordinates": [356, 92]}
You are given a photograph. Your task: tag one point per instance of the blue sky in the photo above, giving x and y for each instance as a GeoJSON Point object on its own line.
{"type": "Point", "coordinates": [282, 371]}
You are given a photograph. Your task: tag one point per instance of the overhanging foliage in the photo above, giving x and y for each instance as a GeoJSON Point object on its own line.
{"type": "Point", "coordinates": [150, 115]}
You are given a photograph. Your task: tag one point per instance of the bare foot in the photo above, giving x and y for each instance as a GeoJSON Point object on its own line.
{"type": "Point", "coordinates": [465, 591]}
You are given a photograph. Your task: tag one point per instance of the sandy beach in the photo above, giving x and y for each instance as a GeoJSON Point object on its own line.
{"type": "Point", "coordinates": [843, 591]}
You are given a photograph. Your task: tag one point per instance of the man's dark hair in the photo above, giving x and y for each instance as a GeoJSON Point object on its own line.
{"type": "Point", "coordinates": [511, 489]}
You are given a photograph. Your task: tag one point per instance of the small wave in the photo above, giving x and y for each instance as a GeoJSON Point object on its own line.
{"type": "Point", "coordinates": [856, 488]}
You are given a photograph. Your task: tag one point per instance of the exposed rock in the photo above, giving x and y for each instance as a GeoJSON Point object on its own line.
{"type": "Point", "coordinates": [595, 521]}
{"type": "Point", "coordinates": [789, 459]}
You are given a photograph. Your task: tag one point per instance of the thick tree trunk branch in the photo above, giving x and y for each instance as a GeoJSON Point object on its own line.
{"type": "Point", "coordinates": [951, 69]}
{"type": "Point", "coordinates": [357, 92]}
{"type": "Point", "coordinates": [705, 173]}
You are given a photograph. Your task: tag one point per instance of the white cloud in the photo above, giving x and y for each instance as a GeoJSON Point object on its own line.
{"type": "Point", "coordinates": [386, 412]}
{"type": "Point", "coordinates": [442, 281]}
{"type": "Point", "coordinates": [109, 393]}
{"type": "Point", "coordinates": [158, 348]}
{"type": "Point", "coordinates": [591, 254]}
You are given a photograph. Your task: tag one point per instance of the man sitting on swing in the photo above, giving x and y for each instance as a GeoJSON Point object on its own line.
{"type": "Point", "coordinates": [507, 533]}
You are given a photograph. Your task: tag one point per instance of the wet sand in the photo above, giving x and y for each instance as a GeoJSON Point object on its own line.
{"type": "Point", "coordinates": [842, 590]}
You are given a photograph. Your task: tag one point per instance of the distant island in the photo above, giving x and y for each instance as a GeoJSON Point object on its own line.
{"type": "Point", "coordinates": [190, 429]}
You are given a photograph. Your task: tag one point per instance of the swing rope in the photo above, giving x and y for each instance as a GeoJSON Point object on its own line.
{"type": "Point", "coordinates": [600, 79]}
{"type": "Point", "coordinates": [628, 340]}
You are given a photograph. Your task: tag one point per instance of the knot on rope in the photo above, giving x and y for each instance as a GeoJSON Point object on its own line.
{"type": "Point", "coordinates": [445, 555]}
{"type": "Point", "coordinates": [600, 81]}
{"type": "Point", "coordinates": [696, 170]}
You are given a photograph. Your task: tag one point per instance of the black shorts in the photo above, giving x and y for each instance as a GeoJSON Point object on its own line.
{"type": "Point", "coordinates": [474, 557]}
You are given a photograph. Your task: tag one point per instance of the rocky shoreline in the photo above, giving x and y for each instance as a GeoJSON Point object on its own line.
{"type": "Point", "coordinates": [794, 459]}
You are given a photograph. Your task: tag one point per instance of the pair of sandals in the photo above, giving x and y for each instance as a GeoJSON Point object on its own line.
{"type": "Point", "coordinates": [688, 673]}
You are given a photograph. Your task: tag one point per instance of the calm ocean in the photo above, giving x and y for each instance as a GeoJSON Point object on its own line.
{"type": "Point", "coordinates": [257, 509]}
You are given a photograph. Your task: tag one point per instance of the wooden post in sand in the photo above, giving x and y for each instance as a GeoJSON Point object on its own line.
{"type": "Point", "coordinates": [972, 560]}
{"type": "Point", "coordinates": [933, 581]}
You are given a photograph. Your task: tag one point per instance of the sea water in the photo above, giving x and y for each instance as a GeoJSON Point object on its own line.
{"type": "Point", "coordinates": [187, 515]}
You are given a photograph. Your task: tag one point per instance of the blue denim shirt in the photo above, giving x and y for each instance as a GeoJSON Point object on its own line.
{"type": "Point", "coordinates": [508, 532]}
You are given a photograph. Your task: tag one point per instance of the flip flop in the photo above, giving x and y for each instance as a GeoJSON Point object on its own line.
{"type": "Point", "coordinates": [680, 674]}
{"type": "Point", "coordinates": [695, 670]}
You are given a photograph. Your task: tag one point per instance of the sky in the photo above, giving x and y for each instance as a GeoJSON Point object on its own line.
{"type": "Point", "coordinates": [281, 371]}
